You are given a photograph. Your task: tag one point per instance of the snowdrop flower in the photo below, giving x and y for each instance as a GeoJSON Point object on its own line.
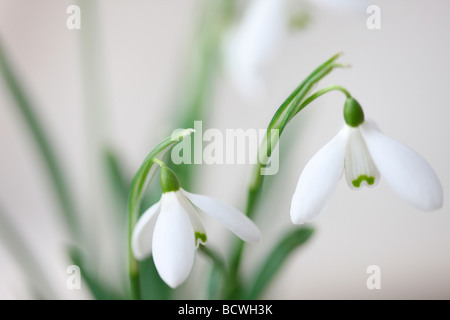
{"type": "Point", "coordinates": [171, 229]}
{"type": "Point", "coordinates": [253, 44]}
{"type": "Point", "coordinates": [365, 154]}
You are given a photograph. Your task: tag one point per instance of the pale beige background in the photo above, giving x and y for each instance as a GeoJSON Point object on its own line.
{"type": "Point", "coordinates": [399, 74]}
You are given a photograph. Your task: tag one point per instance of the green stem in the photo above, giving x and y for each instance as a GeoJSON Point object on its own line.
{"type": "Point", "coordinates": [285, 113]}
{"type": "Point", "coordinates": [321, 92]}
{"type": "Point", "coordinates": [51, 162]}
{"type": "Point", "coordinates": [282, 117]}
{"type": "Point", "coordinates": [158, 162]}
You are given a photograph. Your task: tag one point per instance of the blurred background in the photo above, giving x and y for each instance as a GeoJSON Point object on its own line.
{"type": "Point", "coordinates": [119, 85]}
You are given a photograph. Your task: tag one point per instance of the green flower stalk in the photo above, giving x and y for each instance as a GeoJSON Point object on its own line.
{"type": "Point", "coordinates": [296, 101]}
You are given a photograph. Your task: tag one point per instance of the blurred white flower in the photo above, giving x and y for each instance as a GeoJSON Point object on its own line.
{"type": "Point", "coordinates": [364, 152]}
{"type": "Point", "coordinates": [343, 5]}
{"type": "Point", "coordinates": [253, 44]}
{"type": "Point", "coordinates": [256, 41]}
{"type": "Point", "coordinates": [171, 229]}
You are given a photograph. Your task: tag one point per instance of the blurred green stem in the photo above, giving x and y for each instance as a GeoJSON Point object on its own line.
{"type": "Point", "coordinates": [195, 97]}
{"type": "Point", "coordinates": [219, 271]}
{"type": "Point", "coordinates": [25, 257]}
{"type": "Point", "coordinates": [290, 241]}
{"type": "Point", "coordinates": [54, 170]}
{"type": "Point", "coordinates": [215, 258]}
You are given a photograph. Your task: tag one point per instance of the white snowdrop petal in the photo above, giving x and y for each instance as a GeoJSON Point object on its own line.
{"type": "Point", "coordinates": [230, 217]}
{"type": "Point", "coordinates": [319, 179]}
{"type": "Point", "coordinates": [173, 241]}
{"type": "Point", "coordinates": [405, 170]}
{"type": "Point", "coordinates": [359, 167]}
{"type": "Point", "coordinates": [197, 223]}
{"type": "Point", "coordinates": [141, 239]}
{"type": "Point", "coordinates": [262, 30]}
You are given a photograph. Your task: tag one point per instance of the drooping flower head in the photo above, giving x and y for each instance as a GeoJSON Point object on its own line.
{"type": "Point", "coordinates": [171, 229]}
{"type": "Point", "coordinates": [365, 154]}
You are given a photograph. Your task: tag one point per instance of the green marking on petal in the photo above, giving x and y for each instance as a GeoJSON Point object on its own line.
{"type": "Point", "coordinates": [357, 182]}
{"type": "Point", "coordinates": [200, 237]}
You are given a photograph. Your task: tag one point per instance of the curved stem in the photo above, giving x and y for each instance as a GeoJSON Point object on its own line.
{"type": "Point", "coordinates": [158, 162]}
{"type": "Point", "coordinates": [290, 107]}
{"type": "Point", "coordinates": [282, 117]}
{"type": "Point", "coordinates": [319, 93]}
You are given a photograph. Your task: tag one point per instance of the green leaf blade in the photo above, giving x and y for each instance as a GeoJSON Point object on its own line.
{"type": "Point", "coordinates": [275, 260]}
{"type": "Point", "coordinates": [52, 163]}
{"type": "Point", "coordinates": [97, 289]}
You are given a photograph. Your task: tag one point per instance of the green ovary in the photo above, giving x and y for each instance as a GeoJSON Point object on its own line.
{"type": "Point", "coordinates": [357, 182]}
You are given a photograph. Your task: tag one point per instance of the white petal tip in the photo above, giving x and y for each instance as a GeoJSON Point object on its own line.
{"type": "Point", "coordinates": [251, 234]}
{"type": "Point", "coordinates": [172, 282]}
{"type": "Point", "coordinates": [319, 180]}
{"type": "Point", "coordinates": [302, 211]}
{"type": "Point", "coordinates": [297, 220]}
{"type": "Point", "coordinates": [256, 237]}
{"type": "Point", "coordinates": [141, 239]}
{"type": "Point", "coordinates": [139, 255]}
{"type": "Point", "coordinates": [138, 251]}
{"type": "Point", "coordinates": [431, 204]}
{"type": "Point", "coordinates": [408, 174]}
{"type": "Point", "coordinates": [173, 244]}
